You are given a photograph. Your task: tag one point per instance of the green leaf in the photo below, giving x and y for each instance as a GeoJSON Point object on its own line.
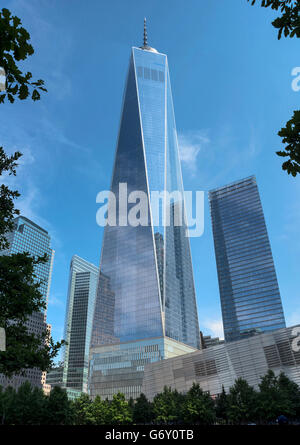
{"type": "Point", "coordinates": [35, 95]}
{"type": "Point", "coordinates": [15, 47]}
{"type": "Point", "coordinates": [23, 92]}
{"type": "Point", "coordinates": [10, 98]}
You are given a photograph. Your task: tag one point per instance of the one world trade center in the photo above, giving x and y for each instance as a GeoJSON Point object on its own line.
{"type": "Point", "coordinates": [145, 307]}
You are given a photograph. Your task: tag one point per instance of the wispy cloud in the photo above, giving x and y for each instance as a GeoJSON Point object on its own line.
{"type": "Point", "coordinates": [293, 316]}
{"type": "Point", "coordinates": [218, 155]}
{"type": "Point", "coordinates": [291, 217]}
{"type": "Point", "coordinates": [293, 319]}
{"type": "Point", "coordinates": [53, 131]}
{"type": "Point", "coordinates": [55, 300]}
{"type": "Point", "coordinates": [46, 35]}
{"type": "Point", "coordinates": [31, 200]}
{"type": "Point", "coordinates": [214, 327]}
{"type": "Point", "coordinates": [190, 145]}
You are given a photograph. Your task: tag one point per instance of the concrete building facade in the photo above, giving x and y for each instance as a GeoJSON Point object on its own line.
{"type": "Point", "coordinates": [219, 365]}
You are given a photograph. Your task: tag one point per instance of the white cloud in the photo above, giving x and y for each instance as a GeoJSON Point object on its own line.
{"type": "Point", "coordinates": [293, 318]}
{"type": "Point", "coordinates": [48, 37]}
{"type": "Point", "coordinates": [31, 200]}
{"type": "Point", "coordinates": [28, 202]}
{"type": "Point", "coordinates": [223, 156]}
{"type": "Point", "coordinates": [54, 300]}
{"type": "Point", "coordinates": [27, 158]}
{"type": "Point", "coordinates": [213, 168]}
{"type": "Point", "coordinates": [190, 145]}
{"type": "Point", "coordinates": [53, 131]}
{"type": "Point", "coordinates": [214, 327]}
{"type": "Point", "coordinates": [291, 217]}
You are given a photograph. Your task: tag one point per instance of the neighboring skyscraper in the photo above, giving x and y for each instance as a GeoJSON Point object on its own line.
{"type": "Point", "coordinates": [249, 292]}
{"type": "Point", "coordinates": [29, 237]}
{"type": "Point", "coordinates": [145, 307]}
{"type": "Point", "coordinates": [55, 376]}
{"type": "Point", "coordinates": [78, 325]}
{"type": "Point", "coordinates": [207, 341]}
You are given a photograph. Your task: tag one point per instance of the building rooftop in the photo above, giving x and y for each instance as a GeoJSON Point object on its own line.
{"type": "Point", "coordinates": [31, 223]}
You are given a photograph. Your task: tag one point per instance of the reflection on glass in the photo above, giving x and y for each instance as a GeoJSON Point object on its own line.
{"type": "Point", "coordinates": [250, 296]}
{"type": "Point", "coordinates": [146, 287]}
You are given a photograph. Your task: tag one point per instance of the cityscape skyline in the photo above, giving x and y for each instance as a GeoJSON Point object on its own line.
{"type": "Point", "coordinates": [58, 294]}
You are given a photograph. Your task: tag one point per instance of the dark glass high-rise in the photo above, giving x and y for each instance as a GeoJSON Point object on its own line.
{"type": "Point", "coordinates": [78, 326]}
{"type": "Point", "coordinates": [29, 237]}
{"type": "Point", "coordinates": [249, 292]}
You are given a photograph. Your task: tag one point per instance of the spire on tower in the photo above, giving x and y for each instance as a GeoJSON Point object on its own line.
{"type": "Point", "coordinates": [145, 45]}
{"type": "Point", "coordinates": [145, 33]}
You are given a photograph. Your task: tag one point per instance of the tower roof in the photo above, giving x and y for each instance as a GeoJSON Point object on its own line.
{"type": "Point", "coordinates": [145, 46]}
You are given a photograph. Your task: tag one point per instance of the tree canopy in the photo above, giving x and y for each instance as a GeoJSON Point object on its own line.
{"type": "Point", "coordinates": [290, 135]}
{"type": "Point", "coordinates": [14, 48]}
{"type": "Point", "coordinates": [276, 396]}
{"type": "Point", "coordinates": [20, 295]}
{"type": "Point", "coordinates": [288, 25]}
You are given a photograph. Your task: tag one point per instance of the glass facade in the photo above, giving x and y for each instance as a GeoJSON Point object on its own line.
{"type": "Point", "coordinates": [78, 324]}
{"type": "Point", "coordinates": [30, 237]}
{"type": "Point", "coordinates": [249, 292]}
{"type": "Point", "coordinates": [120, 367]}
{"type": "Point", "coordinates": [146, 288]}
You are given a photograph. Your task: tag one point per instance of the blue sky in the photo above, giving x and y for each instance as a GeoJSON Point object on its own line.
{"type": "Point", "coordinates": [231, 82]}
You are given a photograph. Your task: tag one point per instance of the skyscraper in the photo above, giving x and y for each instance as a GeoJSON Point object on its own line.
{"type": "Point", "coordinates": [145, 306]}
{"type": "Point", "coordinates": [27, 236]}
{"type": "Point", "coordinates": [78, 325]}
{"type": "Point", "coordinates": [249, 292]}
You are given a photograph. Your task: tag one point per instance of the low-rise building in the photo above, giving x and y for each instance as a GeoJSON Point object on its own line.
{"type": "Point", "coordinates": [221, 365]}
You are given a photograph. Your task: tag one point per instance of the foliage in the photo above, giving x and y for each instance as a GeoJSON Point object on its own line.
{"type": "Point", "coordinates": [81, 410]}
{"type": "Point", "coordinates": [167, 406]}
{"type": "Point", "coordinates": [119, 412]}
{"type": "Point", "coordinates": [20, 297]}
{"type": "Point", "coordinates": [142, 410]}
{"type": "Point", "coordinates": [292, 391]}
{"type": "Point", "coordinates": [198, 407]}
{"type": "Point", "coordinates": [289, 22]}
{"type": "Point", "coordinates": [7, 405]}
{"type": "Point", "coordinates": [59, 408]}
{"type": "Point", "coordinates": [290, 135]}
{"type": "Point", "coordinates": [221, 405]}
{"type": "Point", "coordinates": [30, 406]}
{"type": "Point", "coordinates": [8, 212]}
{"type": "Point", "coordinates": [15, 47]}
{"type": "Point", "coordinates": [274, 398]}
{"type": "Point", "coordinates": [242, 401]}
{"type": "Point", "coordinates": [102, 412]}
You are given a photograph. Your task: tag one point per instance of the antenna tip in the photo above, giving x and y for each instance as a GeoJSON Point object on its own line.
{"type": "Point", "coordinates": [145, 46]}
